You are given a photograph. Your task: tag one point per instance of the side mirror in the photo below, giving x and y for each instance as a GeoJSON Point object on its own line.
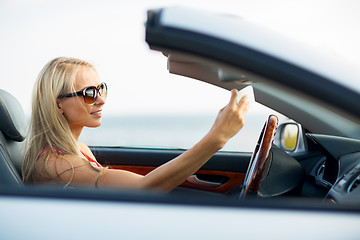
{"type": "Point", "coordinates": [289, 136]}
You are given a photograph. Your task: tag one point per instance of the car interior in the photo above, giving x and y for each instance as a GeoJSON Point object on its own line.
{"type": "Point", "coordinates": [319, 170]}
{"type": "Point", "coordinates": [307, 177]}
{"type": "Point", "coordinates": [12, 134]}
{"type": "Point", "coordinates": [307, 87]}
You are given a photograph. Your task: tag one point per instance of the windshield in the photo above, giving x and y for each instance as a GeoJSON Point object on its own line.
{"type": "Point", "coordinates": [180, 129]}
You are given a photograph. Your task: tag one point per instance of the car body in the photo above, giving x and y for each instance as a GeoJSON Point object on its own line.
{"type": "Point", "coordinates": [309, 191]}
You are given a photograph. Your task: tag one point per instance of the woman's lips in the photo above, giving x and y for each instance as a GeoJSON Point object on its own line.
{"type": "Point", "coordinates": [97, 113]}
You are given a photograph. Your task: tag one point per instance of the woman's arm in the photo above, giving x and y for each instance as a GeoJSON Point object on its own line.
{"type": "Point", "coordinates": [166, 177]}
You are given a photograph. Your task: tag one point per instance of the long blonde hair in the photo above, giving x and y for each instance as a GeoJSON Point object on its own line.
{"type": "Point", "coordinates": [48, 127]}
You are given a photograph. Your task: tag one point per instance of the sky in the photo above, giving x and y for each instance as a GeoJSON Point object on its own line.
{"type": "Point", "coordinates": [110, 34]}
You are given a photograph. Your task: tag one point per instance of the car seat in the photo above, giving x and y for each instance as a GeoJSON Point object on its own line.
{"type": "Point", "coordinates": [12, 135]}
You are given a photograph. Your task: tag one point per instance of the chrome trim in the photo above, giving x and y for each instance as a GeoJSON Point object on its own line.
{"type": "Point", "coordinates": [352, 183]}
{"type": "Point", "coordinates": [193, 179]}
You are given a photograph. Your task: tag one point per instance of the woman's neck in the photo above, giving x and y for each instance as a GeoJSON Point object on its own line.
{"type": "Point", "coordinates": [76, 132]}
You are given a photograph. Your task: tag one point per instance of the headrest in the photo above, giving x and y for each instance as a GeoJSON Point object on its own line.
{"type": "Point", "coordinates": [12, 117]}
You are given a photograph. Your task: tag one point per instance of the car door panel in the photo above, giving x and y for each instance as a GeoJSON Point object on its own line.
{"type": "Point", "coordinates": [220, 174]}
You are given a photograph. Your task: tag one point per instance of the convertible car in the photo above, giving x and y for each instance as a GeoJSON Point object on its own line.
{"type": "Point", "coordinates": [301, 181]}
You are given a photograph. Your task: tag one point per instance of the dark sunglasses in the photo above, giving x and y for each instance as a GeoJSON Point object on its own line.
{"type": "Point", "coordinates": [89, 93]}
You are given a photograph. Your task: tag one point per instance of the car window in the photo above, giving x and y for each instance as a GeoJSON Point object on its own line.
{"type": "Point", "coordinates": [186, 117]}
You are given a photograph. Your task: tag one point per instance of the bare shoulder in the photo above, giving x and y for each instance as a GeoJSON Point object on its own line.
{"type": "Point", "coordinates": [84, 146]}
{"type": "Point", "coordinates": [87, 150]}
{"type": "Point", "coordinates": [67, 168]}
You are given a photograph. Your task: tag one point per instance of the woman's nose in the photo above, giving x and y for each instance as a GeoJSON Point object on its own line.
{"type": "Point", "coordinates": [100, 100]}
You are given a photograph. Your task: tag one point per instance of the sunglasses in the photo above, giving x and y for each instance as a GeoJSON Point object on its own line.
{"type": "Point", "coordinates": [89, 93]}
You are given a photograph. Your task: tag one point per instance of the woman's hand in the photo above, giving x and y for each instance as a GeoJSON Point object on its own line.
{"type": "Point", "coordinates": [230, 119]}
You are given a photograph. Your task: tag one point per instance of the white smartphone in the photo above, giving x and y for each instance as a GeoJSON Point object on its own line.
{"type": "Point", "coordinates": [249, 91]}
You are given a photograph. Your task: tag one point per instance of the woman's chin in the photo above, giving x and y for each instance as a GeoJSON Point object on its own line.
{"type": "Point", "coordinates": [94, 125]}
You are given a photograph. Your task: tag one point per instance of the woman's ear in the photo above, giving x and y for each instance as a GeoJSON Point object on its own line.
{"type": "Point", "coordinates": [59, 105]}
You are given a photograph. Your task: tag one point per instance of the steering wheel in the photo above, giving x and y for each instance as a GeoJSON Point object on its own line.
{"type": "Point", "coordinates": [259, 157]}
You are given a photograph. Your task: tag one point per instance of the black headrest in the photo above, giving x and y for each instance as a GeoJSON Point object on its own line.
{"type": "Point", "coordinates": [12, 117]}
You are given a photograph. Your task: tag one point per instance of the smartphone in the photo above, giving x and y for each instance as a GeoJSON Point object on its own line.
{"type": "Point", "coordinates": [249, 91]}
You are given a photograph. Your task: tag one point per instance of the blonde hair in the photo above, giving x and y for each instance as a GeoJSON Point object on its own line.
{"type": "Point", "coordinates": [49, 130]}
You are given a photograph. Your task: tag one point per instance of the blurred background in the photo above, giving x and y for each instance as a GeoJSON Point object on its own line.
{"type": "Point", "coordinates": [147, 106]}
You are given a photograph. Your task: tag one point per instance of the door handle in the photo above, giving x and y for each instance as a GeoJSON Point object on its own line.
{"type": "Point", "coordinates": [193, 179]}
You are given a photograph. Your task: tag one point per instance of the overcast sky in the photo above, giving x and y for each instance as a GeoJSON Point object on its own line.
{"type": "Point", "coordinates": [110, 34]}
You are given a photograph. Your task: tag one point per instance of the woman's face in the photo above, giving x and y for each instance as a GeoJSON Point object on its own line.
{"type": "Point", "coordinates": [75, 110]}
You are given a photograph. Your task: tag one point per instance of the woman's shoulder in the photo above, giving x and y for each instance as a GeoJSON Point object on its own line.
{"type": "Point", "coordinates": [85, 149]}
{"type": "Point", "coordinates": [58, 160]}
{"type": "Point", "coordinates": [83, 146]}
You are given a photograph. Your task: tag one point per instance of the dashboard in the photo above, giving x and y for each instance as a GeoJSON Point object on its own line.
{"type": "Point", "coordinates": [339, 171]}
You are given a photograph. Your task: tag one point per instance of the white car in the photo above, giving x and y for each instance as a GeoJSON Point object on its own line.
{"type": "Point", "coordinates": [306, 183]}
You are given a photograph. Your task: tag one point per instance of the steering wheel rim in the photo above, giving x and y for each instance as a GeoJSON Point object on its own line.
{"type": "Point", "coordinates": [259, 157]}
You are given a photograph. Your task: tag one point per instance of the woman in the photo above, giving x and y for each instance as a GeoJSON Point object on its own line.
{"type": "Point", "coordinates": [69, 96]}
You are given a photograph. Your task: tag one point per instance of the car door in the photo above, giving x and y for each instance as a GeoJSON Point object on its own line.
{"type": "Point", "coordinates": [222, 173]}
